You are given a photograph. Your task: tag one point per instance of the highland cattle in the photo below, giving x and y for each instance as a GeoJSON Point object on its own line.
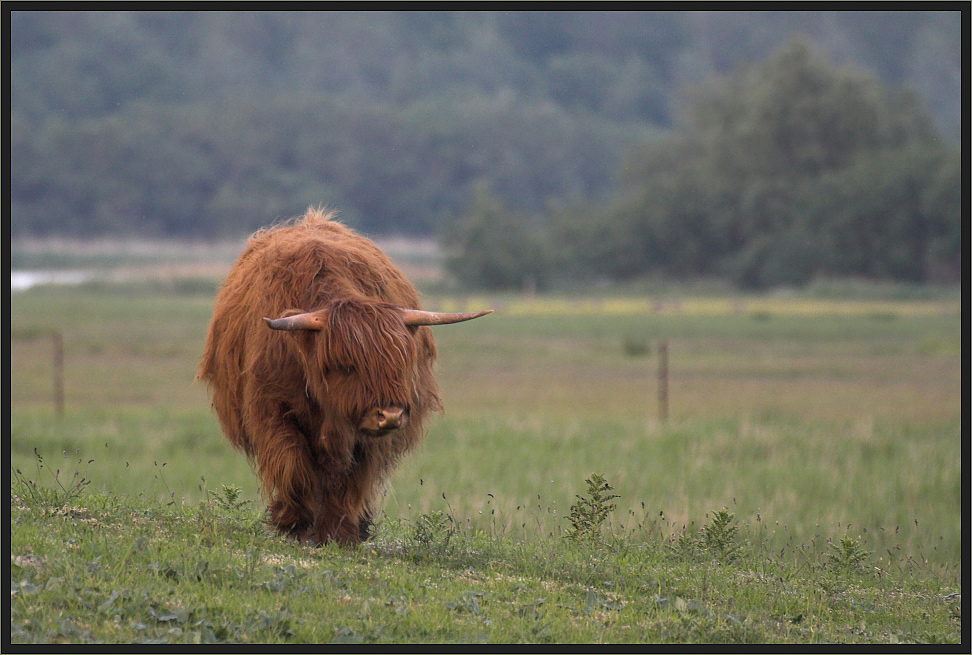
{"type": "Point", "coordinates": [319, 362]}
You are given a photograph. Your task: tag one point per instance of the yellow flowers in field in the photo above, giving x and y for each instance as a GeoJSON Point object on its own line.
{"type": "Point", "coordinates": [756, 306]}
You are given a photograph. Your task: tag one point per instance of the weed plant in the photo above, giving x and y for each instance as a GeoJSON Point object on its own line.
{"type": "Point", "coordinates": [590, 511]}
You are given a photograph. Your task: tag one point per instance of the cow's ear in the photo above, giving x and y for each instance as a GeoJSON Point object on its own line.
{"type": "Point", "coordinates": [306, 321]}
{"type": "Point", "coordinates": [419, 317]}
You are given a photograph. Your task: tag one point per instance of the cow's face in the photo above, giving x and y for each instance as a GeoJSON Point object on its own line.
{"type": "Point", "coordinates": [368, 365]}
{"type": "Point", "coordinates": [359, 365]}
{"type": "Point", "coordinates": [362, 359]}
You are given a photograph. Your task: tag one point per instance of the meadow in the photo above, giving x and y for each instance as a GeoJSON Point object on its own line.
{"type": "Point", "coordinates": [826, 430]}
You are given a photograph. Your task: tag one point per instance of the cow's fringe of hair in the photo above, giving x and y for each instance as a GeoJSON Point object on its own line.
{"type": "Point", "coordinates": [287, 399]}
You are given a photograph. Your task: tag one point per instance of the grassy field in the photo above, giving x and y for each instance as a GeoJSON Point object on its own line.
{"type": "Point", "coordinates": [829, 428]}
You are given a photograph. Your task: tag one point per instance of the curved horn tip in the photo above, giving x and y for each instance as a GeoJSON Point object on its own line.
{"type": "Point", "coordinates": [421, 317]}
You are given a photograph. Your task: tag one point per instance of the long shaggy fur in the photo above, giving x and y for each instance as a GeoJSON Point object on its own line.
{"type": "Point", "coordinates": [292, 401]}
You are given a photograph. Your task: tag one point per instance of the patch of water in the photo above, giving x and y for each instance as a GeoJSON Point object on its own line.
{"type": "Point", "coordinates": [23, 280]}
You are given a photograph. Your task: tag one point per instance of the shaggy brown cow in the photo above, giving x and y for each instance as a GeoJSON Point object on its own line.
{"type": "Point", "coordinates": [325, 398]}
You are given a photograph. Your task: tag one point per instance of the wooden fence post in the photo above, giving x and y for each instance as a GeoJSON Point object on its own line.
{"type": "Point", "coordinates": [58, 340]}
{"type": "Point", "coordinates": [663, 380]}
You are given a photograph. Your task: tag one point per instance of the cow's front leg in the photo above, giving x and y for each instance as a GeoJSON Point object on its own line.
{"type": "Point", "coordinates": [286, 468]}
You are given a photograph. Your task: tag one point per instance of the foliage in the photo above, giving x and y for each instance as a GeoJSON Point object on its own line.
{"type": "Point", "coordinates": [791, 169]}
{"type": "Point", "coordinates": [887, 215]}
{"type": "Point", "coordinates": [590, 511]}
{"type": "Point", "coordinates": [228, 499]}
{"type": "Point", "coordinates": [213, 125]}
{"type": "Point", "coordinates": [492, 248]}
{"type": "Point", "coordinates": [192, 124]}
{"type": "Point", "coordinates": [782, 172]}
{"type": "Point", "coordinates": [719, 535]}
{"type": "Point", "coordinates": [224, 514]}
{"type": "Point", "coordinates": [432, 532]}
{"type": "Point", "coordinates": [850, 555]}
{"type": "Point", "coordinates": [716, 540]}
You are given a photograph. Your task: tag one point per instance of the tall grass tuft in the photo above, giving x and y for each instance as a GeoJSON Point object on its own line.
{"type": "Point", "coordinates": [57, 495]}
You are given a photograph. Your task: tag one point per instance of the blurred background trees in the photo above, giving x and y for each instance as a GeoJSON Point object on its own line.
{"type": "Point", "coordinates": [544, 149]}
{"type": "Point", "coordinates": [789, 169]}
{"type": "Point", "coordinates": [494, 247]}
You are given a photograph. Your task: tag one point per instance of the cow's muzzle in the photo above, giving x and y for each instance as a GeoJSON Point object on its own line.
{"type": "Point", "coordinates": [382, 420]}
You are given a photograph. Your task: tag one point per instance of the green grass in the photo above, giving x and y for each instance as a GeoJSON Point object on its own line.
{"type": "Point", "coordinates": [105, 569]}
{"type": "Point", "coordinates": [829, 429]}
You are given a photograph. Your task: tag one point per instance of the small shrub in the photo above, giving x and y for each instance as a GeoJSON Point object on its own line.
{"type": "Point", "coordinates": [228, 499]}
{"type": "Point", "coordinates": [716, 539]}
{"type": "Point", "coordinates": [686, 546]}
{"type": "Point", "coordinates": [590, 511]}
{"type": "Point", "coordinates": [433, 531]}
{"type": "Point", "coordinates": [223, 514]}
{"type": "Point", "coordinates": [849, 556]}
{"type": "Point", "coordinates": [718, 536]}
{"type": "Point", "coordinates": [636, 346]}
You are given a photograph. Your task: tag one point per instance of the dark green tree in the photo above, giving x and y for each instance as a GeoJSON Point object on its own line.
{"type": "Point", "coordinates": [490, 247]}
{"type": "Point", "coordinates": [723, 194]}
{"type": "Point", "coordinates": [890, 215]}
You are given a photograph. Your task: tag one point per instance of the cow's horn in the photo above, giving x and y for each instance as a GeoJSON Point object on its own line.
{"type": "Point", "coordinates": [420, 317]}
{"type": "Point", "coordinates": [305, 321]}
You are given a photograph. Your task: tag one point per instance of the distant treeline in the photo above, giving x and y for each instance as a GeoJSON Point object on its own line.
{"type": "Point", "coordinates": [203, 125]}
{"type": "Point", "coordinates": [780, 173]}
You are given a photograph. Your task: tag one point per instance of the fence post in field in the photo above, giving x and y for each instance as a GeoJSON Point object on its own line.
{"type": "Point", "coordinates": [58, 340]}
{"type": "Point", "coordinates": [663, 380]}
